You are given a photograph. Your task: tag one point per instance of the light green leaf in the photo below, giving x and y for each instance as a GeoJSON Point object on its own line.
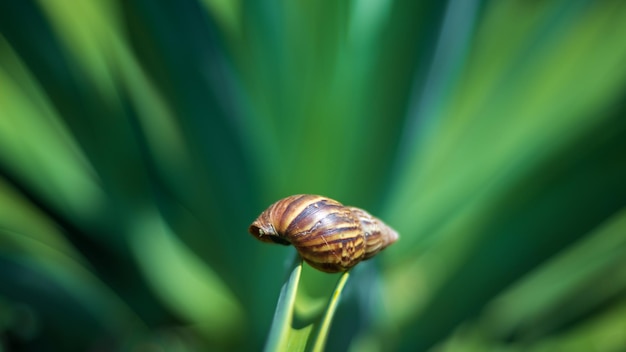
{"type": "Point", "coordinates": [301, 329]}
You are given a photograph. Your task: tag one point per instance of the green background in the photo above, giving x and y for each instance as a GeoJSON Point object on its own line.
{"type": "Point", "coordinates": [139, 139]}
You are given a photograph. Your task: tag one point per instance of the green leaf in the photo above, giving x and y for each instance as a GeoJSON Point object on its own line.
{"type": "Point", "coordinates": [320, 338]}
{"type": "Point", "coordinates": [281, 331]}
{"type": "Point", "coordinates": [305, 328]}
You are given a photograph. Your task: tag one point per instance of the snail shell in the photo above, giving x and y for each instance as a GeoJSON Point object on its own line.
{"type": "Point", "coordinates": [329, 236]}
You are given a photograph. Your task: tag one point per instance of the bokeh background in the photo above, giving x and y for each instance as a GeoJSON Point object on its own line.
{"type": "Point", "coordinates": [139, 138]}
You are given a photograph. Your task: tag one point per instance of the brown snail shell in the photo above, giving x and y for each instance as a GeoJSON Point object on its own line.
{"type": "Point", "coordinates": [329, 236]}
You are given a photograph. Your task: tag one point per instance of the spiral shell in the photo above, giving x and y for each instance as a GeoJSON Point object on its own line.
{"type": "Point", "coordinates": [329, 236]}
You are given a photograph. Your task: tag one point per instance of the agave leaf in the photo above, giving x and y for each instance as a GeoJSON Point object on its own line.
{"type": "Point", "coordinates": [319, 341]}
{"type": "Point", "coordinates": [305, 328]}
{"type": "Point", "coordinates": [281, 333]}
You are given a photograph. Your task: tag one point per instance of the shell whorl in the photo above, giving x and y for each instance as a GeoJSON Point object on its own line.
{"type": "Point", "coordinates": [328, 235]}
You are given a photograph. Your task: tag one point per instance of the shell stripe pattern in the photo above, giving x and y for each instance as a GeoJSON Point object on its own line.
{"type": "Point", "coordinates": [372, 231]}
{"type": "Point", "coordinates": [321, 229]}
{"type": "Point", "coordinates": [328, 235]}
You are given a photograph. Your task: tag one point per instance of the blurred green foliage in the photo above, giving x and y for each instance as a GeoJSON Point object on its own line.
{"type": "Point", "coordinates": [138, 139]}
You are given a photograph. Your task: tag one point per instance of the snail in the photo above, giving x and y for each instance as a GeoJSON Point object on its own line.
{"type": "Point", "coordinates": [329, 236]}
